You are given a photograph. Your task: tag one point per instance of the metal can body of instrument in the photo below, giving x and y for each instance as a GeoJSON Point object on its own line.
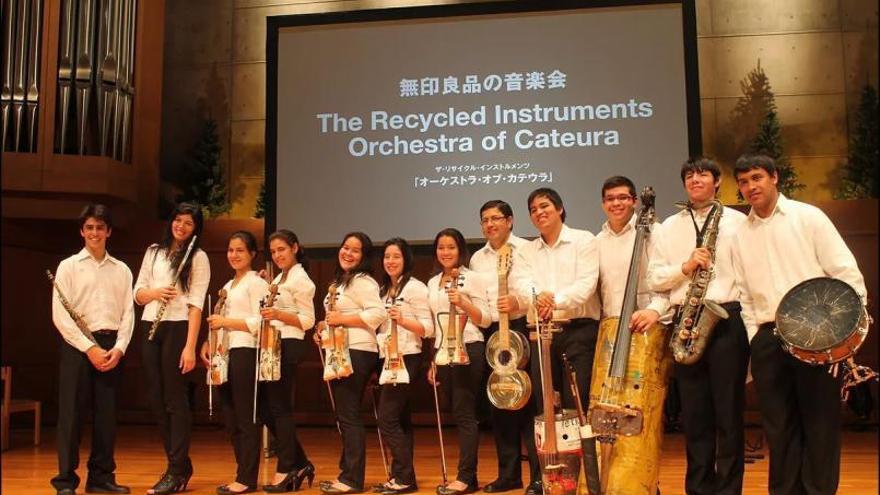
{"type": "Point", "coordinates": [822, 321]}
{"type": "Point", "coordinates": [560, 471]}
{"type": "Point", "coordinates": [635, 456]}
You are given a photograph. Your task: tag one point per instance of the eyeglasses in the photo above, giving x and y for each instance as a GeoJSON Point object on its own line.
{"type": "Point", "coordinates": [492, 219]}
{"type": "Point", "coordinates": [623, 198]}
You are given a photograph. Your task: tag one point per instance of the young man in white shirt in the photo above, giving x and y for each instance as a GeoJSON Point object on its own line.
{"type": "Point", "coordinates": [496, 221]}
{"type": "Point", "coordinates": [615, 245]}
{"type": "Point", "coordinates": [783, 243]}
{"type": "Point", "coordinates": [712, 389]}
{"type": "Point", "coordinates": [561, 267]}
{"type": "Point", "coordinates": [98, 288]}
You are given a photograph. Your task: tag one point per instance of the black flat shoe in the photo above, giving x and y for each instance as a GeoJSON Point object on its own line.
{"type": "Point", "coordinates": [445, 490]}
{"type": "Point", "coordinates": [500, 485]}
{"type": "Point", "coordinates": [171, 483]}
{"type": "Point", "coordinates": [65, 491]}
{"type": "Point", "coordinates": [225, 490]}
{"type": "Point", "coordinates": [534, 488]}
{"type": "Point", "coordinates": [106, 487]}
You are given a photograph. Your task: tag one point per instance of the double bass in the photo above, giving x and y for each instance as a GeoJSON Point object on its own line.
{"type": "Point", "coordinates": [629, 385]}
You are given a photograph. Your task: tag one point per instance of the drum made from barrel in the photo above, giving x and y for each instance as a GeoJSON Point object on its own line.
{"type": "Point", "coordinates": [822, 321]}
{"type": "Point", "coordinates": [560, 472]}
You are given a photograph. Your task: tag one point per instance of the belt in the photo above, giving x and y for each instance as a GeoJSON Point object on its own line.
{"type": "Point", "coordinates": [767, 325]}
{"type": "Point", "coordinates": [732, 306]}
{"type": "Point", "coordinates": [105, 333]}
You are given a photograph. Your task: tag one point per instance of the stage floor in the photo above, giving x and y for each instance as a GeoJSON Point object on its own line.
{"type": "Point", "coordinates": [27, 469]}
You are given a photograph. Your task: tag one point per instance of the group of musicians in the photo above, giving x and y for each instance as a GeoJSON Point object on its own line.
{"type": "Point", "coordinates": [564, 274]}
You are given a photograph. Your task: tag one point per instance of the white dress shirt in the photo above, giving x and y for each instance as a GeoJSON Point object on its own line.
{"type": "Point", "coordinates": [156, 272]}
{"type": "Point", "coordinates": [361, 297]}
{"type": "Point", "coordinates": [795, 243]}
{"type": "Point", "coordinates": [475, 289]}
{"type": "Point", "coordinates": [485, 261]}
{"type": "Point", "coordinates": [673, 244]}
{"type": "Point", "coordinates": [569, 269]}
{"type": "Point", "coordinates": [295, 295]}
{"type": "Point", "coordinates": [100, 291]}
{"type": "Point", "coordinates": [413, 302]}
{"type": "Point", "coordinates": [243, 303]}
{"type": "Point", "coordinates": [615, 254]}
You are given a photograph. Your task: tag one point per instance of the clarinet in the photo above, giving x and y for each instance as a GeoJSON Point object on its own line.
{"type": "Point", "coordinates": [161, 311]}
{"type": "Point", "coordinates": [77, 318]}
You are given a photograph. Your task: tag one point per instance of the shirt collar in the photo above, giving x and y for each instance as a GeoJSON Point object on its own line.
{"type": "Point", "coordinates": [513, 240]}
{"type": "Point", "coordinates": [631, 224]}
{"type": "Point", "coordinates": [565, 235]}
{"type": "Point", "coordinates": [781, 207]}
{"type": "Point", "coordinates": [84, 254]}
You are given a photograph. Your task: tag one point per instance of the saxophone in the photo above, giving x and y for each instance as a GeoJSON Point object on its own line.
{"type": "Point", "coordinates": [698, 315]}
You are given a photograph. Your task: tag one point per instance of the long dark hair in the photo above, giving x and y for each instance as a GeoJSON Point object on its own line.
{"type": "Point", "coordinates": [407, 264]}
{"type": "Point", "coordinates": [164, 245]}
{"type": "Point", "coordinates": [290, 239]}
{"type": "Point", "coordinates": [342, 277]}
{"type": "Point", "coordinates": [464, 254]}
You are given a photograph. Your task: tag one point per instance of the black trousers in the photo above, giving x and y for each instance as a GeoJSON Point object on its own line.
{"type": "Point", "coordinates": [465, 383]}
{"type": "Point", "coordinates": [395, 424]}
{"type": "Point", "coordinates": [712, 392]}
{"type": "Point", "coordinates": [348, 393]}
{"type": "Point", "coordinates": [168, 391]}
{"type": "Point", "coordinates": [511, 429]}
{"type": "Point", "coordinates": [77, 377]}
{"type": "Point", "coordinates": [237, 395]}
{"type": "Point", "coordinates": [276, 408]}
{"type": "Point", "coordinates": [800, 410]}
{"type": "Point", "coordinates": [577, 341]}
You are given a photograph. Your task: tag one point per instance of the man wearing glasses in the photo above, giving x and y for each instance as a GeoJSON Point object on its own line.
{"type": "Point", "coordinates": [496, 221]}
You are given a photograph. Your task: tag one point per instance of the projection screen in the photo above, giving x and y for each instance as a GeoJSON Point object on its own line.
{"type": "Point", "coordinates": [402, 122]}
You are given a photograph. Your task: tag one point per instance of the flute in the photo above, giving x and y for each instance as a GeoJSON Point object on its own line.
{"type": "Point", "coordinates": [77, 318]}
{"type": "Point", "coordinates": [161, 311]}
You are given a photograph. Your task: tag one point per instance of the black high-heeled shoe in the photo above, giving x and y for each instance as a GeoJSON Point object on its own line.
{"type": "Point", "coordinates": [283, 486]}
{"type": "Point", "coordinates": [171, 483]}
{"type": "Point", "coordinates": [305, 473]}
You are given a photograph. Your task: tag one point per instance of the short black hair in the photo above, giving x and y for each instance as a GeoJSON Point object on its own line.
{"type": "Point", "coordinates": [617, 181]}
{"type": "Point", "coordinates": [502, 206]}
{"type": "Point", "coordinates": [550, 194]}
{"type": "Point", "coordinates": [98, 212]}
{"type": "Point", "coordinates": [750, 161]}
{"type": "Point", "coordinates": [700, 164]}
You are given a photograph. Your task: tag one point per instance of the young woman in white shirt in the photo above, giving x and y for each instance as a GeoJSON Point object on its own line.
{"type": "Point", "coordinates": [241, 320]}
{"type": "Point", "coordinates": [406, 300]}
{"type": "Point", "coordinates": [455, 285]}
{"type": "Point", "coordinates": [294, 314]}
{"type": "Point", "coordinates": [359, 311]}
{"type": "Point", "coordinates": [171, 354]}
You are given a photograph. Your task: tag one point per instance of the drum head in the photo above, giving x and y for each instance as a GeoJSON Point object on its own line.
{"type": "Point", "coordinates": [818, 314]}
